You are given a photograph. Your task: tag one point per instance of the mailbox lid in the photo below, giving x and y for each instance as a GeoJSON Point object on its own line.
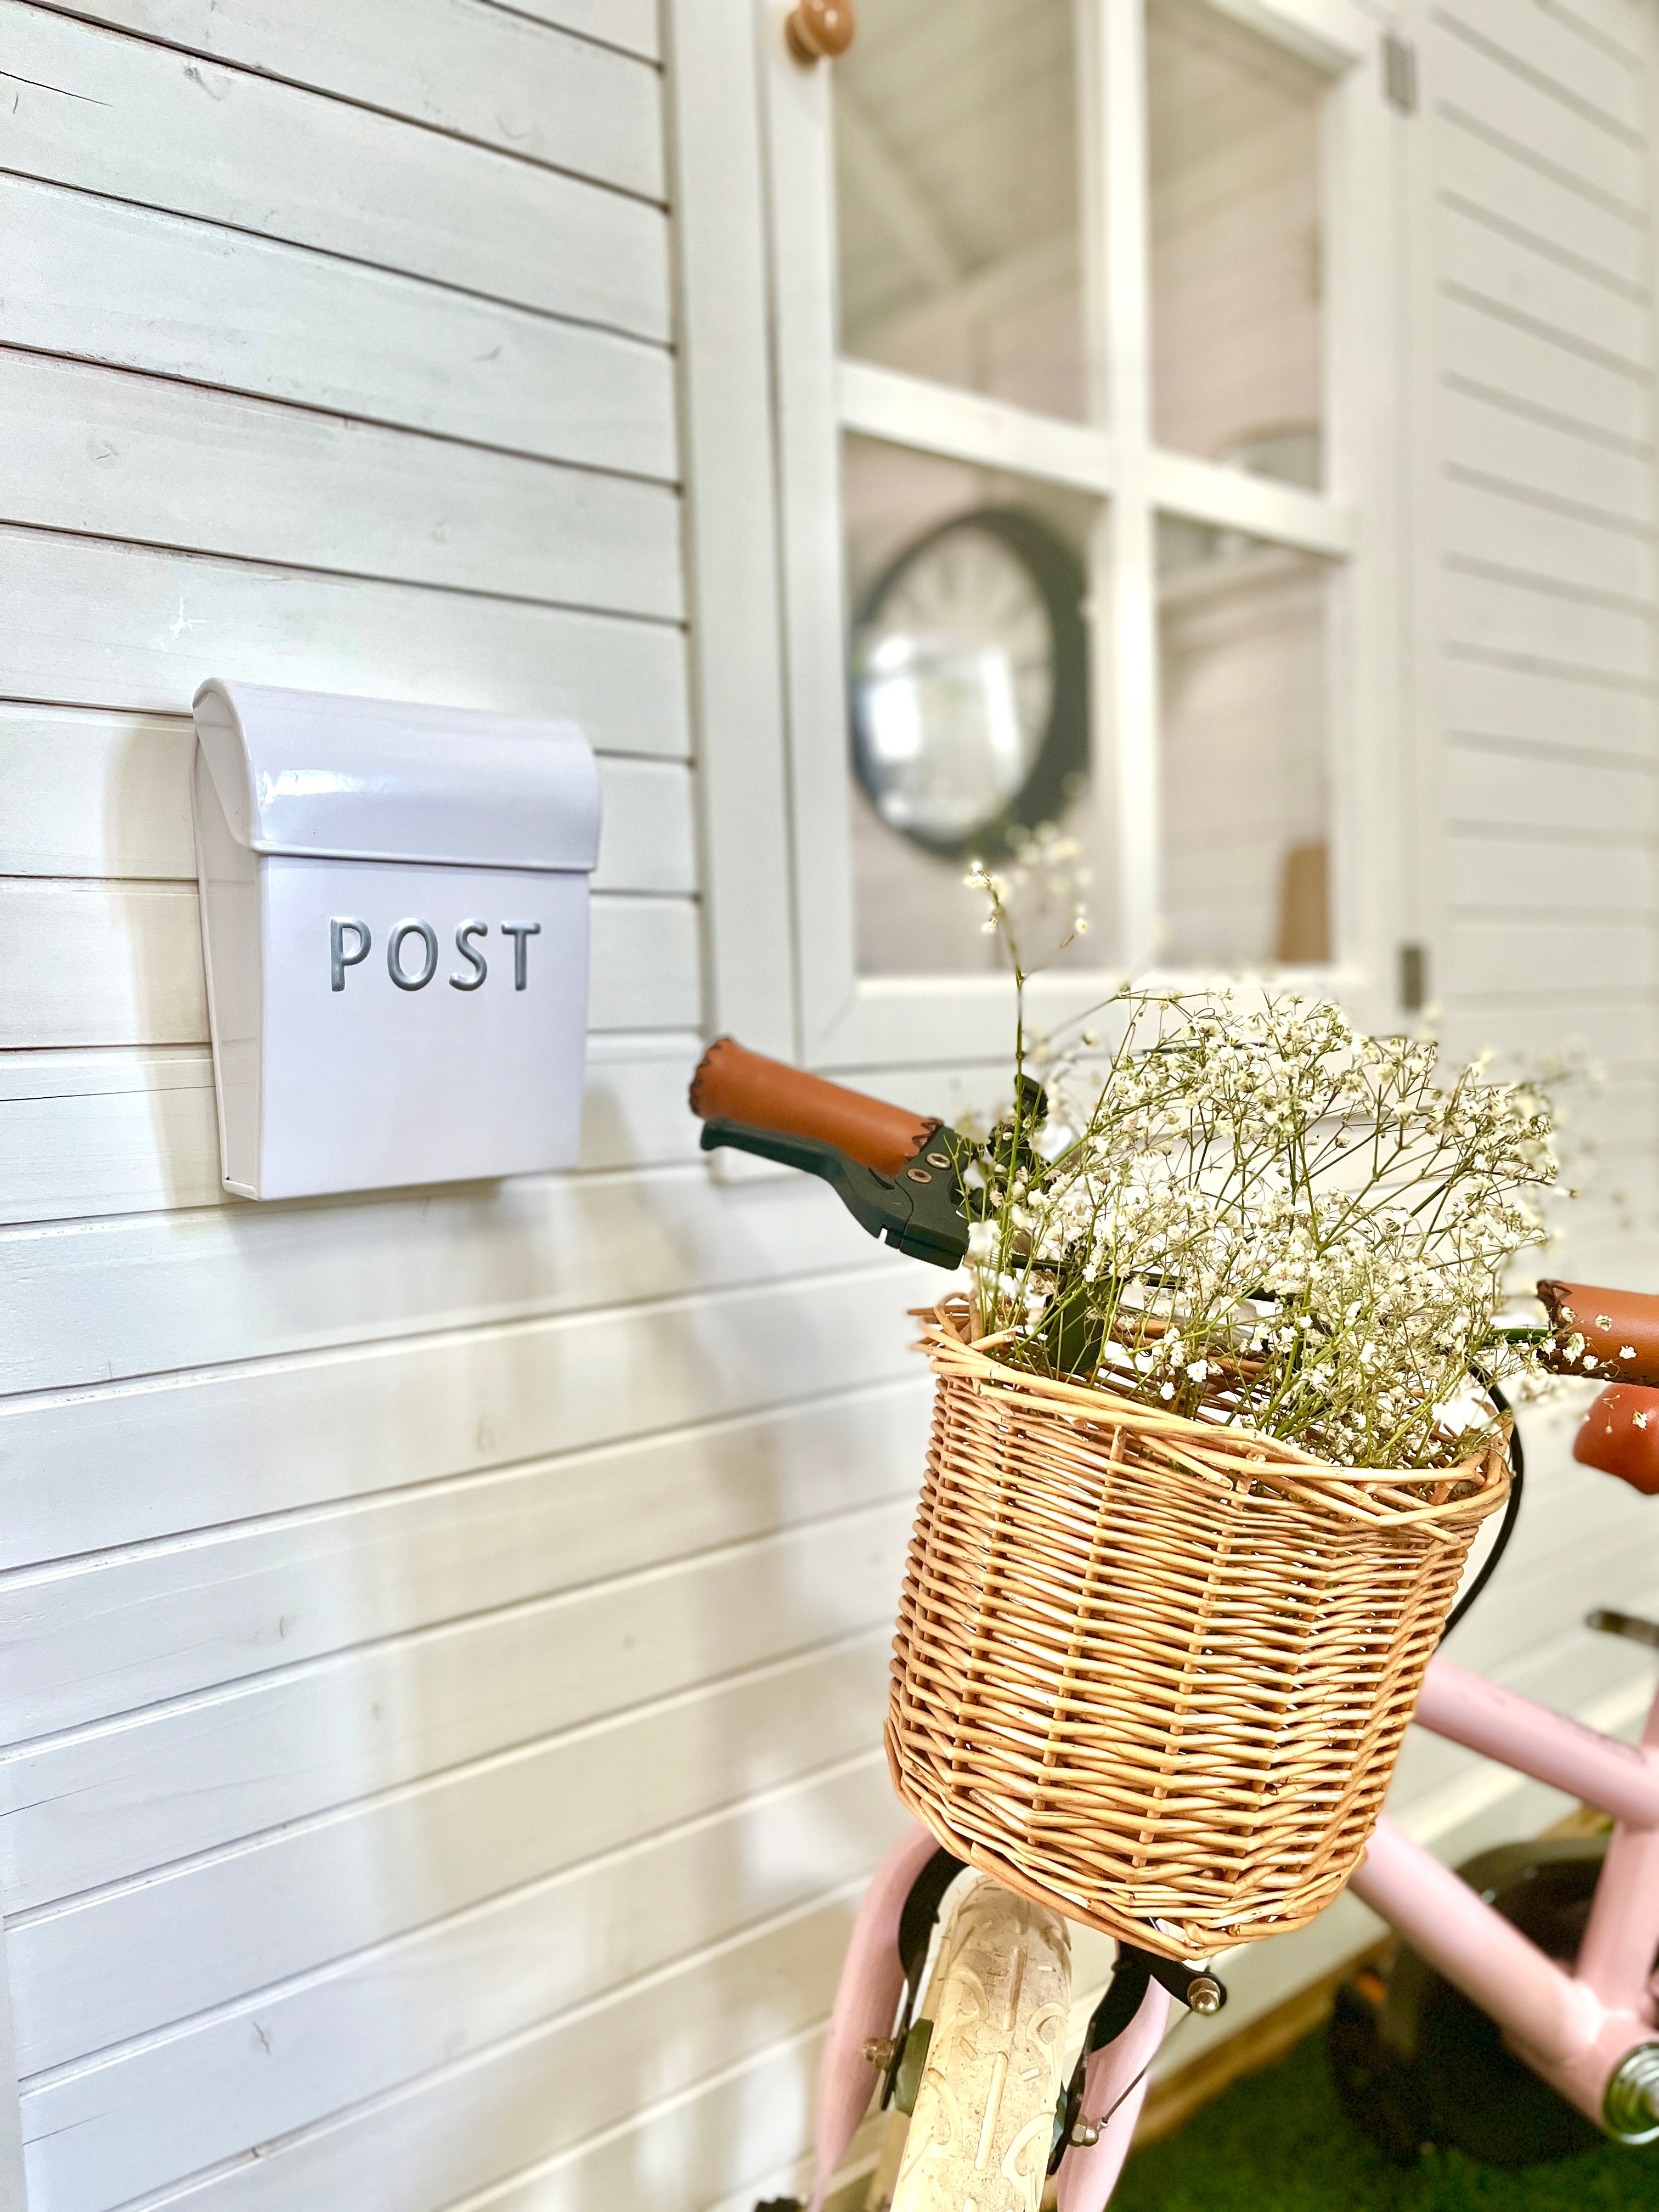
{"type": "Point", "coordinates": [326, 777]}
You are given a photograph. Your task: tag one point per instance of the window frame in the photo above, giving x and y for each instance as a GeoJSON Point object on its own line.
{"type": "Point", "coordinates": [838, 1019]}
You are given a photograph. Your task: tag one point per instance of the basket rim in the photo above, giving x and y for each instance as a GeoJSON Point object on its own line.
{"type": "Point", "coordinates": [1386, 1497]}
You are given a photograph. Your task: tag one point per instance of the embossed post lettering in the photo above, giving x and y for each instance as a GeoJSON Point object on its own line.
{"type": "Point", "coordinates": [428, 968]}
{"type": "Point", "coordinates": [338, 958]}
{"type": "Point", "coordinates": [350, 940]}
{"type": "Point", "coordinates": [480, 965]}
{"type": "Point", "coordinates": [520, 932]}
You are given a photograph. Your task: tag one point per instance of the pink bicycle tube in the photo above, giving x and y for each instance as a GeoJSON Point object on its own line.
{"type": "Point", "coordinates": [1575, 2029]}
{"type": "Point", "coordinates": [866, 2005]}
{"type": "Point", "coordinates": [1114, 2081]}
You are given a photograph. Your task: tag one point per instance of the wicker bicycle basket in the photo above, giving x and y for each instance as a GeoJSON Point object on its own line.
{"type": "Point", "coordinates": [1154, 1671]}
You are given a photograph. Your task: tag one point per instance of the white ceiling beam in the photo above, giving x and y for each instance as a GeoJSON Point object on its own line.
{"type": "Point", "coordinates": [1040, 266]}
{"type": "Point", "coordinates": [891, 196]}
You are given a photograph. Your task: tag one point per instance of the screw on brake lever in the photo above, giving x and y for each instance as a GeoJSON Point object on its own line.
{"type": "Point", "coordinates": [919, 1211]}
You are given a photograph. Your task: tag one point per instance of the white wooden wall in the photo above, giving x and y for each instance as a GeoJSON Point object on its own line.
{"type": "Point", "coordinates": [445, 1632]}
{"type": "Point", "coordinates": [1537, 578]}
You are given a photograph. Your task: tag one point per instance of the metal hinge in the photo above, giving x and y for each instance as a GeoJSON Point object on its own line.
{"type": "Point", "coordinates": [1413, 978]}
{"type": "Point", "coordinates": [1400, 73]}
{"type": "Point", "coordinates": [1627, 1625]}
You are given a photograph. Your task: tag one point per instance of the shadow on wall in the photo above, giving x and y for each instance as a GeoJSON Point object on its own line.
{"type": "Point", "coordinates": [654, 1691]}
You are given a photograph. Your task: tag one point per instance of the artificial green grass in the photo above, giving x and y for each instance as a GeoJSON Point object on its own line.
{"type": "Point", "coordinates": [1280, 2142]}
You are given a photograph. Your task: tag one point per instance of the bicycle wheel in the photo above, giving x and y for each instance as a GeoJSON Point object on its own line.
{"type": "Point", "coordinates": [999, 1999]}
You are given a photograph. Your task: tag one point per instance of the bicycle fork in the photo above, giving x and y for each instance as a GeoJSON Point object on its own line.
{"type": "Point", "coordinates": [866, 2000]}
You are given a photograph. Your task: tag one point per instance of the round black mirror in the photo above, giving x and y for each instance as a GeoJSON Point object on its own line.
{"type": "Point", "coordinates": [971, 682]}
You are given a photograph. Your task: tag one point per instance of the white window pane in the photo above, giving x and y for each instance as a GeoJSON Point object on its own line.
{"type": "Point", "coordinates": [1242, 636]}
{"type": "Point", "coordinates": [957, 196]}
{"type": "Point", "coordinates": [968, 683]}
{"type": "Point", "coordinates": [1234, 134]}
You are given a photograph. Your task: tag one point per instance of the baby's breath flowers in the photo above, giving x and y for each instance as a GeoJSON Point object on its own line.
{"type": "Point", "coordinates": [1039, 898]}
{"type": "Point", "coordinates": [1259, 1216]}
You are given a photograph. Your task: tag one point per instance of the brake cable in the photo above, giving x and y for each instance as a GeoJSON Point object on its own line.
{"type": "Point", "coordinates": [1517, 1459]}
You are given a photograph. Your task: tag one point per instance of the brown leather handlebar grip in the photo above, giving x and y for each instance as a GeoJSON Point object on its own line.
{"type": "Point", "coordinates": [1620, 1436]}
{"type": "Point", "coordinates": [1619, 1328]}
{"type": "Point", "coordinates": [734, 1084]}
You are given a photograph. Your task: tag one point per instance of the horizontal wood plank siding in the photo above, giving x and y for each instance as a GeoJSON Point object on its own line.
{"type": "Point", "coordinates": [452, 1622]}
{"type": "Point", "coordinates": [135, 122]}
{"type": "Point", "coordinates": [1503, 176]}
{"type": "Point", "coordinates": [470, 71]}
{"type": "Point", "coordinates": [253, 315]}
{"type": "Point", "coordinates": [97, 965]}
{"type": "Point", "coordinates": [1537, 522]}
{"type": "Point", "coordinates": [217, 1286]}
{"type": "Point", "coordinates": [1599, 877]}
{"type": "Point", "coordinates": [103, 795]}
{"type": "Point", "coordinates": [165, 1620]}
{"type": "Point", "coordinates": [153, 462]}
{"type": "Point", "coordinates": [198, 1451]}
{"type": "Point", "coordinates": [1504, 438]}
{"type": "Point", "coordinates": [293, 1901]}
{"type": "Point", "coordinates": [762, 2099]}
{"type": "Point", "coordinates": [138, 627]}
{"type": "Point", "coordinates": [1575, 55]}
{"type": "Point", "coordinates": [630, 25]}
{"type": "Point", "coordinates": [449, 1627]}
{"type": "Point", "coordinates": [403, 2008]}
{"type": "Point", "coordinates": [414, 2146]}
{"type": "Point", "coordinates": [1535, 698]}
{"type": "Point", "coordinates": [113, 1130]}
{"type": "Point", "coordinates": [90, 1807]}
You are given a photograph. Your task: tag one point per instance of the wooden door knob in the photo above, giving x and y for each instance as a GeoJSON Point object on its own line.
{"type": "Point", "coordinates": [818, 30]}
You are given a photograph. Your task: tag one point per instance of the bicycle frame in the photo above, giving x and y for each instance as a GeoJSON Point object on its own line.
{"type": "Point", "coordinates": [1574, 2028]}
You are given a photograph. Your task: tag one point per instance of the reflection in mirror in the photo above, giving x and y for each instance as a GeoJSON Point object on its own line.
{"type": "Point", "coordinates": [968, 694]}
{"type": "Point", "coordinates": [1234, 124]}
{"type": "Point", "coordinates": [1244, 708]}
{"type": "Point", "coordinates": [957, 196]}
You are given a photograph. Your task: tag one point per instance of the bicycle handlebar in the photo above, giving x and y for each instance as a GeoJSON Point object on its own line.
{"type": "Point", "coordinates": [1619, 1329]}
{"type": "Point", "coordinates": [1618, 1335]}
{"type": "Point", "coordinates": [895, 1173]}
{"type": "Point", "coordinates": [734, 1084]}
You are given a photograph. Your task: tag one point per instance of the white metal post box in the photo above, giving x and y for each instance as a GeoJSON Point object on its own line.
{"type": "Point", "coordinates": [394, 924]}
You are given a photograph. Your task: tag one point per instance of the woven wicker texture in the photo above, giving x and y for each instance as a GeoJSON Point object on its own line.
{"type": "Point", "coordinates": [1151, 1672]}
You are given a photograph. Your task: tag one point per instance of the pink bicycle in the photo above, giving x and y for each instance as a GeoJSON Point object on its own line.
{"type": "Point", "coordinates": [1534, 1965]}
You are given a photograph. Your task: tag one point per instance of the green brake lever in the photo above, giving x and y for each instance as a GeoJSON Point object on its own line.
{"type": "Point", "coordinates": [919, 1211]}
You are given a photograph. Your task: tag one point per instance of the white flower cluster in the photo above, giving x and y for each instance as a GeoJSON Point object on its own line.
{"type": "Point", "coordinates": [1265, 1217]}
{"type": "Point", "coordinates": [1038, 901]}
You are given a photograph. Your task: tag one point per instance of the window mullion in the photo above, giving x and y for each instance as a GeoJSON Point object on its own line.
{"type": "Point", "coordinates": [927, 417]}
{"type": "Point", "coordinates": [801, 179]}
{"type": "Point", "coordinates": [1232, 499]}
{"type": "Point", "coordinates": [1125, 581]}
